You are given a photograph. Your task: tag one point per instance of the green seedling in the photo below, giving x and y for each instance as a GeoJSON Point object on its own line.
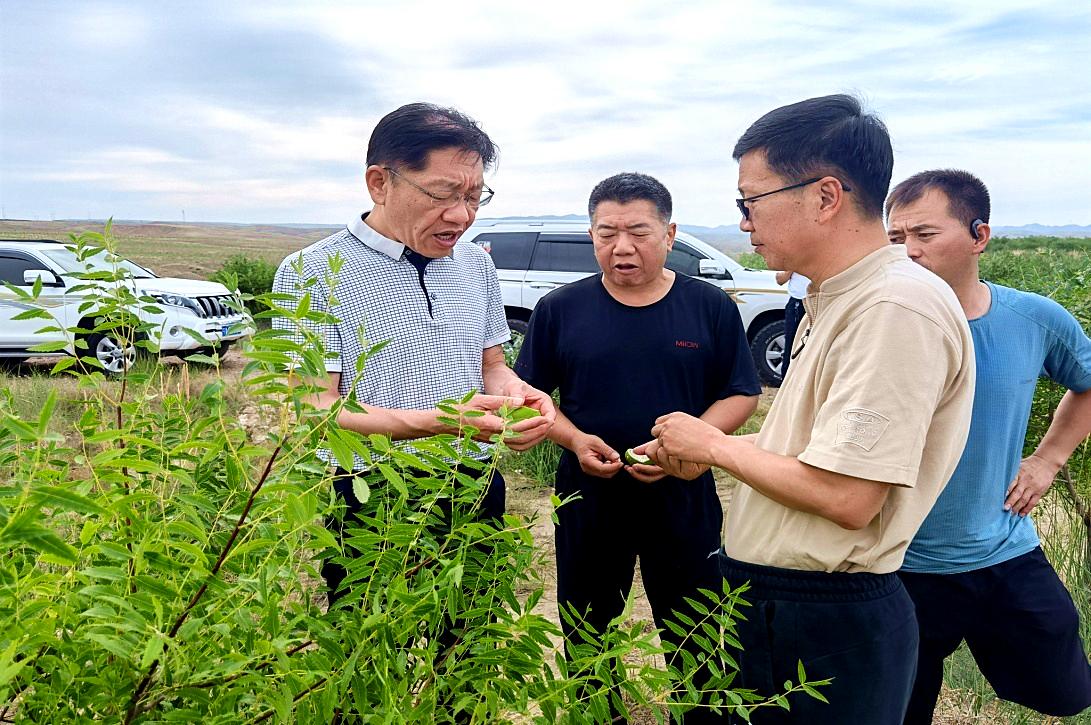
{"type": "Point", "coordinates": [634, 459]}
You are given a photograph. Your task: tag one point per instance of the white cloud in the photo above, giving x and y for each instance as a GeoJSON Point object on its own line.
{"type": "Point", "coordinates": [572, 91]}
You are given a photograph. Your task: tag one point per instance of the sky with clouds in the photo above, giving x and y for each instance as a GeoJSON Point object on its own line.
{"type": "Point", "coordinates": [261, 111]}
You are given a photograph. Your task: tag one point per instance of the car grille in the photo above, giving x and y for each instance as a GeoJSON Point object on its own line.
{"type": "Point", "coordinates": [218, 306]}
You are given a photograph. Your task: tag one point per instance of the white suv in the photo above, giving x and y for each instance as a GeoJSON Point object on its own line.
{"type": "Point", "coordinates": [534, 256]}
{"type": "Point", "coordinates": [203, 307]}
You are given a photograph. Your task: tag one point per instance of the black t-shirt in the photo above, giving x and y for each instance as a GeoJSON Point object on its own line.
{"type": "Point", "coordinates": [620, 367]}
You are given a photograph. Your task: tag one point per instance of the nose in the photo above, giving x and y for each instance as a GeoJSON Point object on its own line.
{"type": "Point", "coordinates": [913, 251]}
{"type": "Point", "coordinates": [746, 225]}
{"type": "Point", "coordinates": [624, 244]}
{"type": "Point", "coordinates": [460, 213]}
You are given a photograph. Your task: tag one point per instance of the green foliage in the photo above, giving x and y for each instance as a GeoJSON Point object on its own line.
{"type": "Point", "coordinates": [1041, 243]}
{"type": "Point", "coordinates": [539, 463]}
{"type": "Point", "coordinates": [161, 563]}
{"type": "Point", "coordinates": [753, 260]}
{"type": "Point", "coordinates": [252, 277]}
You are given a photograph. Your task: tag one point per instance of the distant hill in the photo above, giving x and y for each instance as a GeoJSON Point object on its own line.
{"type": "Point", "coordinates": [1043, 230]}
{"type": "Point", "coordinates": [725, 238]}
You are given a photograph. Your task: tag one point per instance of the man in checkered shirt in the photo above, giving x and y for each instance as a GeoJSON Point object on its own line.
{"type": "Point", "coordinates": [406, 281]}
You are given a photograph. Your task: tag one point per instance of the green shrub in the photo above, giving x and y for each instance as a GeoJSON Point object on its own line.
{"type": "Point", "coordinates": [1040, 243]}
{"type": "Point", "coordinates": [161, 565]}
{"type": "Point", "coordinates": [753, 260]}
{"type": "Point", "coordinates": [254, 278]}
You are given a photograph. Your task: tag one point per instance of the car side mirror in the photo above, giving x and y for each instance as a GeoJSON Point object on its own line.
{"type": "Point", "coordinates": [30, 276]}
{"type": "Point", "coordinates": [712, 269]}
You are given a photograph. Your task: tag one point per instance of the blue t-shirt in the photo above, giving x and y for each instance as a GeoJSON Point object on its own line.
{"type": "Point", "coordinates": [618, 368]}
{"type": "Point", "coordinates": [1021, 337]}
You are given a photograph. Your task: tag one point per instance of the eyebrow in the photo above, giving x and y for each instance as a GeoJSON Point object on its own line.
{"type": "Point", "coordinates": [638, 225]}
{"type": "Point", "coordinates": [450, 184]}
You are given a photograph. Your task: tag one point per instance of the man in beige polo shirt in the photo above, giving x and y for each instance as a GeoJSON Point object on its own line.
{"type": "Point", "coordinates": [864, 433]}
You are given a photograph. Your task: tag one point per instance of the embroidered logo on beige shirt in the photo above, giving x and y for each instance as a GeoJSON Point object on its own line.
{"type": "Point", "coordinates": [861, 427]}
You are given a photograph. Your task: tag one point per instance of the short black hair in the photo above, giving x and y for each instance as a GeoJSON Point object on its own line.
{"type": "Point", "coordinates": [406, 135]}
{"type": "Point", "coordinates": [631, 186]}
{"type": "Point", "coordinates": [826, 136]}
{"type": "Point", "coordinates": [967, 196]}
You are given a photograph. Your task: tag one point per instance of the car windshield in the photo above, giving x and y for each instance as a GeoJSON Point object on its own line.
{"type": "Point", "coordinates": [101, 262]}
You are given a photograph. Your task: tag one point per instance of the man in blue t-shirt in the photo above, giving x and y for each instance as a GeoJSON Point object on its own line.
{"type": "Point", "coordinates": [623, 348]}
{"type": "Point", "coordinates": [975, 569]}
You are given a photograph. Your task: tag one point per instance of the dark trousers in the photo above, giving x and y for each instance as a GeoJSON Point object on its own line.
{"type": "Point", "coordinates": [1020, 625]}
{"type": "Point", "coordinates": [492, 509]}
{"type": "Point", "coordinates": [858, 629]}
{"type": "Point", "coordinates": [793, 314]}
{"type": "Point", "coordinates": [671, 525]}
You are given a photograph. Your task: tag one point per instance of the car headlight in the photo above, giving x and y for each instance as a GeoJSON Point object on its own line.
{"type": "Point", "coordinates": [175, 300]}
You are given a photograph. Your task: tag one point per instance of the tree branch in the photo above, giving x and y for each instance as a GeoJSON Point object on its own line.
{"type": "Point", "coordinates": [138, 694]}
{"type": "Point", "coordinates": [269, 713]}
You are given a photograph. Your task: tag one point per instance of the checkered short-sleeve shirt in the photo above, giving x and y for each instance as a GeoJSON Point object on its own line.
{"type": "Point", "coordinates": [435, 338]}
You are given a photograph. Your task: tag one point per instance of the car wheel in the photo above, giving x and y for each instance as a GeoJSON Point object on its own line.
{"type": "Point", "coordinates": [518, 332]}
{"type": "Point", "coordinates": [767, 349]}
{"type": "Point", "coordinates": [518, 327]}
{"type": "Point", "coordinates": [114, 358]}
{"type": "Point", "coordinates": [11, 364]}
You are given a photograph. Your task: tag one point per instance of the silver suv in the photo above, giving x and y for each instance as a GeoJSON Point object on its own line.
{"type": "Point", "coordinates": [188, 306]}
{"type": "Point", "coordinates": [534, 256]}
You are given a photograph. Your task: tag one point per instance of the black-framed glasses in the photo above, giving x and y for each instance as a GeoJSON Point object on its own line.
{"type": "Point", "coordinates": [449, 201]}
{"type": "Point", "coordinates": [742, 203]}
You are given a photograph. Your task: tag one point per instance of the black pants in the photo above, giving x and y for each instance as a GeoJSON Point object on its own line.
{"type": "Point", "coordinates": [1020, 625]}
{"type": "Point", "coordinates": [856, 628]}
{"type": "Point", "coordinates": [492, 509]}
{"type": "Point", "coordinates": [672, 525]}
{"type": "Point", "coordinates": [793, 313]}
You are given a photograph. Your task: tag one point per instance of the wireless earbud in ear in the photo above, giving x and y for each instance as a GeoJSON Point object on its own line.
{"type": "Point", "coordinates": [973, 227]}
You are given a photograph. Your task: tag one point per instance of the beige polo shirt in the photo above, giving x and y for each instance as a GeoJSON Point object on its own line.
{"type": "Point", "coordinates": [882, 389]}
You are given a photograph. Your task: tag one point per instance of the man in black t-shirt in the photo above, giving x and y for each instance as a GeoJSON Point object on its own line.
{"type": "Point", "coordinates": [623, 348]}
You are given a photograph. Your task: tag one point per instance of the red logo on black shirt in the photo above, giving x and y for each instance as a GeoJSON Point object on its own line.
{"type": "Point", "coordinates": [687, 344]}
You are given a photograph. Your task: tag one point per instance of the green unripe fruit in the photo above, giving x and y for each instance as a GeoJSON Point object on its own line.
{"type": "Point", "coordinates": [634, 459]}
{"type": "Point", "coordinates": [523, 412]}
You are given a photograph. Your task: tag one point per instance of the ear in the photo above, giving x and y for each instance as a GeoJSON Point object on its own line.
{"type": "Point", "coordinates": [831, 198]}
{"type": "Point", "coordinates": [984, 234]}
{"type": "Point", "coordinates": [672, 229]}
{"type": "Point", "coordinates": [378, 183]}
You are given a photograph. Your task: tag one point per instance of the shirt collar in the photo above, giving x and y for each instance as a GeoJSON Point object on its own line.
{"type": "Point", "coordinates": [395, 250]}
{"type": "Point", "coordinates": [358, 228]}
{"type": "Point", "coordinates": [863, 269]}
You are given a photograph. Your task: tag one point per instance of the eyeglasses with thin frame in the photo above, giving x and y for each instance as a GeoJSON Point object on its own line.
{"type": "Point", "coordinates": [742, 203]}
{"type": "Point", "coordinates": [451, 200]}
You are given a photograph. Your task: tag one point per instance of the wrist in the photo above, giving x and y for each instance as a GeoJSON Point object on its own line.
{"type": "Point", "coordinates": [722, 453]}
{"type": "Point", "coordinates": [1053, 464]}
{"type": "Point", "coordinates": [504, 382]}
{"type": "Point", "coordinates": [574, 440]}
{"type": "Point", "coordinates": [426, 423]}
